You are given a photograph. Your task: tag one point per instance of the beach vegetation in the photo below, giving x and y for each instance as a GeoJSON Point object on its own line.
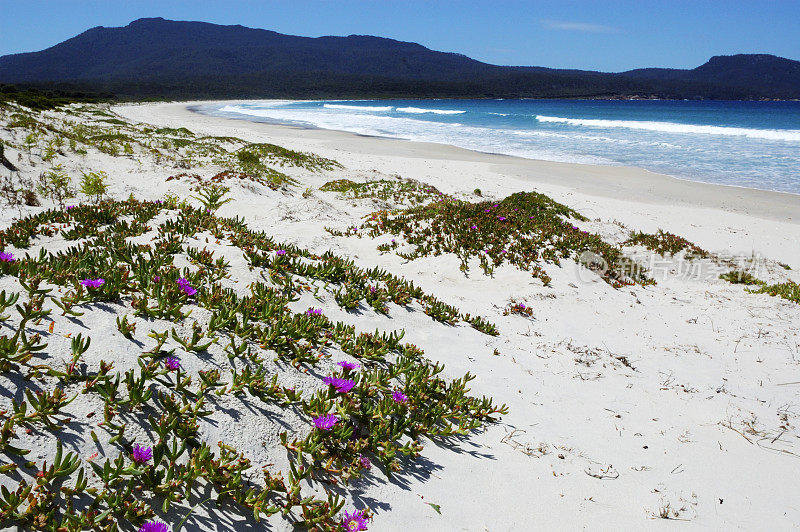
{"type": "Point", "coordinates": [396, 191]}
{"type": "Point", "coordinates": [56, 185]}
{"type": "Point", "coordinates": [94, 184]}
{"type": "Point", "coordinates": [663, 242]}
{"type": "Point", "coordinates": [151, 454]}
{"type": "Point", "coordinates": [788, 290]}
{"type": "Point", "coordinates": [212, 196]}
{"type": "Point", "coordinates": [740, 277]}
{"type": "Point", "coordinates": [525, 230]}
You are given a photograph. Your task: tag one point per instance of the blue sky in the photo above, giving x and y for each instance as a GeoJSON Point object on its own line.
{"type": "Point", "coordinates": [599, 35]}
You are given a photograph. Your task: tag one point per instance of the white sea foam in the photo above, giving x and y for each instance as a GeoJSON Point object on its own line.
{"type": "Point", "coordinates": [792, 135]}
{"type": "Point", "coordinates": [765, 158]}
{"type": "Point", "coordinates": [419, 110]}
{"type": "Point", "coordinates": [373, 108]}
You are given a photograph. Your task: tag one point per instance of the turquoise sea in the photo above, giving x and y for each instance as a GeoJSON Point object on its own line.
{"type": "Point", "coordinates": [748, 144]}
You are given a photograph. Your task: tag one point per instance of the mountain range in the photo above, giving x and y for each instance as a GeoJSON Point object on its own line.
{"type": "Point", "coordinates": [157, 58]}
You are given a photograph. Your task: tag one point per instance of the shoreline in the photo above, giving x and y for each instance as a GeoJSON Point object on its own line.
{"type": "Point", "coordinates": [618, 182]}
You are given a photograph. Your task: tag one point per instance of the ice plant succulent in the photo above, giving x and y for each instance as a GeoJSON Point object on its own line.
{"type": "Point", "coordinates": [172, 363]}
{"type": "Point", "coordinates": [6, 257]}
{"type": "Point", "coordinates": [354, 522]}
{"type": "Point", "coordinates": [341, 385]}
{"type": "Point", "coordinates": [93, 283]}
{"type": "Point", "coordinates": [325, 422]}
{"type": "Point", "coordinates": [344, 364]}
{"type": "Point", "coordinates": [142, 454]}
{"type": "Point", "coordinates": [314, 312]}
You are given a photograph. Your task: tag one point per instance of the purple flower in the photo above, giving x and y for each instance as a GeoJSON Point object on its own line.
{"type": "Point", "coordinates": [157, 278]}
{"type": "Point", "coordinates": [325, 422]}
{"type": "Point", "coordinates": [486, 210]}
{"type": "Point", "coordinates": [341, 385]}
{"type": "Point", "coordinates": [93, 283]}
{"type": "Point", "coordinates": [399, 397]}
{"type": "Point", "coordinates": [354, 522]}
{"type": "Point", "coordinates": [280, 252]}
{"type": "Point", "coordinates": [142, 454]}
{"type": "Point", "coordinates": [6, 257]}
{"type": "Point", "coordinates": [314, 312]}
{"type": "Point", "coordinates": [365, 463]}
{"type": "Point", "coordinates": [154, 526]}
{"type": "Point", "coordinates": [348, 365]}
{"type": "Point", "coordinates": [172, 363]}
{"type": "Point", "coordinates": [70, 207]}
{"type": "Point", "coordinates": [186, 288]}
{"type": "Point", "coordinates": [474, 227]}
{"type": "Point", "coordinates": [501, 218]}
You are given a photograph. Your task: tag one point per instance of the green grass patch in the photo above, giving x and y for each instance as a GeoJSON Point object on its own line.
{"type": "Point", "coordinates": [395, 191]}
{"type": "Point", "coordinates": [254, 154]}
{"type": "Point", "coordinates": [788, 290]}
{"type": "Point", "coordinates": [663, 242]}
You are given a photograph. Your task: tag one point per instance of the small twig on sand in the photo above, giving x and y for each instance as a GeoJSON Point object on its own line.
{"type": "Point", "coordinates": [742, 434]}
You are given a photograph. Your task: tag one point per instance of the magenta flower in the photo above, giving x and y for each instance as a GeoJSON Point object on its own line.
{"type": "Point", "coordinates": [399, 397]}
{"type": "Point", "coordinates": [154, 526]}
{"type": "Point", "coordinates": [486, 210]}
{"type": "Point", "coordinates": [501, 218]}
{"type": "Point", "coordinates": [348, 365]}
{"type": "Point", "coordinates": [314, 312]}
{"type": "Point", "coordinates": [325, 422]}
{"type": "Point", "coordinates": [70, 207]}
{"type": "Point", "coordinates": [354, 522]}
{"type": "Point", "coordinates": [280, 252]}
{"type": "Point", "coordinates": [93, 283]}
{"type": "Point", "coordinates": [142, 454]}
{"type": "Point", "coordinates": [188, 290]}
{"type": "Point", "coordinates": [6, 257]}
{"type": "Point", "coordinates": [172, 363]}
{"type": "Point", "coordinates": [185, 287]}
{"type": "Point", "coordinates": [474, 227]}
{"type": "Point", "coordinates": [156, 278]}
{"type": "Point", "coordinates": [341, 385]}
{"type": "Point", "coordinates": [365, 463]}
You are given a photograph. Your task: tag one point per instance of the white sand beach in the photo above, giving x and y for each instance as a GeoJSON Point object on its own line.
{"type": "Point", "coordinates": [628, 407]}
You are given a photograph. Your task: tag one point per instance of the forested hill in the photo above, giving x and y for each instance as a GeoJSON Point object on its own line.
{"type": "Point", "coordinates": [170, 59]}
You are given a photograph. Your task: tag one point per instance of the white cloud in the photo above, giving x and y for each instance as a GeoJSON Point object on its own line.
{"type": "Point", "coordinates": [584, 27]}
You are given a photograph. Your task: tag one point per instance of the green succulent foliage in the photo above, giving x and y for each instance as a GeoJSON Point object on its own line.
{"type": "Point", "coordinates": [250, 328]}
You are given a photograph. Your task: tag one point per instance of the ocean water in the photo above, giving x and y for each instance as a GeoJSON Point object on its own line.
{"type": "Point", "coordinates": [748, 144]}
